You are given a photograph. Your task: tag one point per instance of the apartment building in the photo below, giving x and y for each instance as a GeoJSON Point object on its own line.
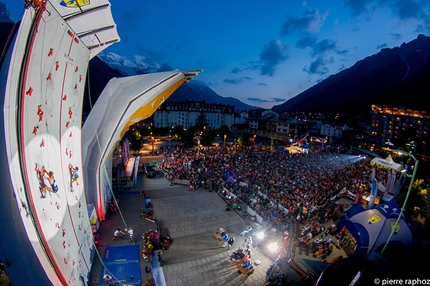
{"type": "Point", "coordinates": [186, 113]}
{"type": "Point", "coordinates": [399, 125]}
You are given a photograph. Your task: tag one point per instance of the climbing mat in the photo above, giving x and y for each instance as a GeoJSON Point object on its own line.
{"type": "Point", "coordinates": [122, 262]}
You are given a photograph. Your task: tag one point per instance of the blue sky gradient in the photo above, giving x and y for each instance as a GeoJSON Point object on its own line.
{"type": "Point", "coordinates": [262, 52]}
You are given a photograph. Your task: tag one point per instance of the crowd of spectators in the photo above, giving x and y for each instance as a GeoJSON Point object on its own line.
{"type": "Point", "coordinates": [280, 187]}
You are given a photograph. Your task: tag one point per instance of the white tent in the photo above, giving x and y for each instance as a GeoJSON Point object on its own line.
{"type": "Point", "coordinates": [387, 163]}
{"type": "Point", "coordinates": [124, 102]}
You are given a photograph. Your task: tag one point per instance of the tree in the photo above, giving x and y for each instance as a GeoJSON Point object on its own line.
{"type": "Point", "coordinates": [208, 137]}
{"type": "Point", "coordinates": [201, 121]}
{"type": "Point", "coordinates": [134, 138]}
{"type": "Point", "coordinates": [224, 130]}
{"type": "Point", "coordinates": [245, 139]}
{"type": "Point", "coordinates": [185, 136]}
{"type": "Point", "coordinates": [417, 201]}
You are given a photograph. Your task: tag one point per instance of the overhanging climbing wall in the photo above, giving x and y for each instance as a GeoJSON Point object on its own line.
{"type": "Point", "coordinates": [43, 118]}
{"type": "Point", "coordinates": [50, 125]}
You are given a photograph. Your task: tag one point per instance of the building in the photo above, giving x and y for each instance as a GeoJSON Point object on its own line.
{"type": "Point", "coordinates": [399, 126]}
{"type": "Point", "coordinates": [271, 125]}
{"type": "Point", "coordinates": [186, 113]}
{"type": "Point", "coordinates": [331, 130]}
{"type": "Point", "coordinates": [241, 117]}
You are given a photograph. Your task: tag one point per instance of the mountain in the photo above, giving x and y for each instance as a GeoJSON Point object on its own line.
{"type": "Point", "coordinates": [98, 75]}
{"type": "Point", "coordinates": [198, 91]}
{"type": "Point", "coordinates": [4, 13]}
{"type": "Point", "coordinates": [191, 91]}
{"type": "Point", "coordinates": [397, 76]}
{"type": "Point", "coordinates": [129, 66]}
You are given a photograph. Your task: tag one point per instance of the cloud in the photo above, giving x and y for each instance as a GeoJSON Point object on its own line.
{"type": "Point", "coordinates": [253, 65]}
{"type": "Point", "coordinates": [272, 55]}
{"type": "Point", "coordinates": [323, 46]}
{"type": "Point", "coordinates": [408, 9]}
{"type": "Point", "coordinates": [306, 41]}
{"type": "Point", "coordinates": [257, 99]}
{"type": "Point", "coordinates": [359, 7]}
{"type": "Point", "coordinates": [396, 36]}
{"type": "Point", "coordinates": [273, 99]}
{"type": "Point", "coordinates": [310, 21]}
{"type": "Point", "coordinates": [262, 83]}
{"type": "Point", "coordinates": [276, 99]}
{"type": "Point", "coordinates": [236, 70]}
{"type": "Point", "coordinates": [238, 80]}
{"type": "Point", "coordinates": [318, 48]}
{"type": "Point", "coordinates": [404, 9]}
{"type": "Point", "coordinates": [319, 66]}
{"type": "Point", "coordinates": [381, 46]}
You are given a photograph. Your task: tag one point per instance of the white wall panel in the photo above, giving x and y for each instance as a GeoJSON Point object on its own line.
{"type": "Point", "coordinates": [48, 127]}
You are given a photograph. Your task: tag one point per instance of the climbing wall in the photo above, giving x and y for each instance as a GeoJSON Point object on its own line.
{"type": "Point", "coordinates": [50, 133]}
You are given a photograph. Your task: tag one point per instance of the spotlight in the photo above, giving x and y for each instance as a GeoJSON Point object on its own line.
{"type": "Point", "coordinates": [273, 247]}
{"type": "Point", "coordinates": [260, 235]}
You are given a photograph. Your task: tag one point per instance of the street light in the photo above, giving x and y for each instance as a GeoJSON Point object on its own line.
{"type": "Point", "coordinates": [170, 137]}
{"type": "Point", "coordinates": [198, 148]}
{"type": "Point", "coordinates": [411, 183]}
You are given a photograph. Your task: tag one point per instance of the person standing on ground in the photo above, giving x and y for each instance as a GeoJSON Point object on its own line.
{"type": "Point", "coordinates": [108, 279]}
{"type": "Point", "coordinates": [118, 234]}
{"type": "Point", "coordinates": [230, 242]}
{"type": "Point", "coordinates": [160, 257]}
{"type": "Point", "coordinates": [248, 242]}
{"type": "Point", "coordinates": [130, 233]}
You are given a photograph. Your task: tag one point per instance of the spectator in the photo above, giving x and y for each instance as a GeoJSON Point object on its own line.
{"type": "Point", "coordinates": [108, 279]}
{"type": "Point", "coordinates": [130, 233]}
{"type": "Point", "coordinates": [247, 230]}
{"type": "Point", "coordinates": [229, 243]}
{"type": "Point", "coordinates": [118, 234]}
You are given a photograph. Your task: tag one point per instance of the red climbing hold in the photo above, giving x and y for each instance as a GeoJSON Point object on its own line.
{"type": "Point", "coordinates": [40, 112]}
{"type": "Point", "coordinates": [70, 113]}
{"type": "Point", "coordinates": [57, 65]}
{"type": "Point", "coordinates": [65, 97]}
{"type": "Point", "coordinates": [49, 76]}
{"type": "Point", "coordinates": [35, 129]}
{"type": "Point", "coordinates": [51, 52]}
{"type": "Point", "coordinates": [76, 69]}
{"type": "Point", "coordinates": [29, 91]}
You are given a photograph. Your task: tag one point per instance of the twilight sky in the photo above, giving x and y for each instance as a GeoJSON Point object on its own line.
{"type": "Point", "coordinates": [262, 52]}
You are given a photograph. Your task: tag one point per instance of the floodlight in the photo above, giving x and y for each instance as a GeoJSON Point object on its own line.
{"type": "Point", "coordinates": [273, 247]}
{"type": "Point", "coordinates": [260, 235]}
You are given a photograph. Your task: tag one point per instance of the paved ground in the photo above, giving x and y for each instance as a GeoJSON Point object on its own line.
{"type": "Point", "coordinates": [192, 217]}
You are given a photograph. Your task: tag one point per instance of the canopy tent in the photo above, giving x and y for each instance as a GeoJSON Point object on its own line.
{"type": "Point", "coordinates": [387, 163]}
{"type": "Point", "coordinates": [372, 227]}
{"type": "Point", "coordinates": [124, 102]}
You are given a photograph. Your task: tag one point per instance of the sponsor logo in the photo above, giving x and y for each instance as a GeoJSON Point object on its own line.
{"type": "Point", "coordinates": [74, 3]}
